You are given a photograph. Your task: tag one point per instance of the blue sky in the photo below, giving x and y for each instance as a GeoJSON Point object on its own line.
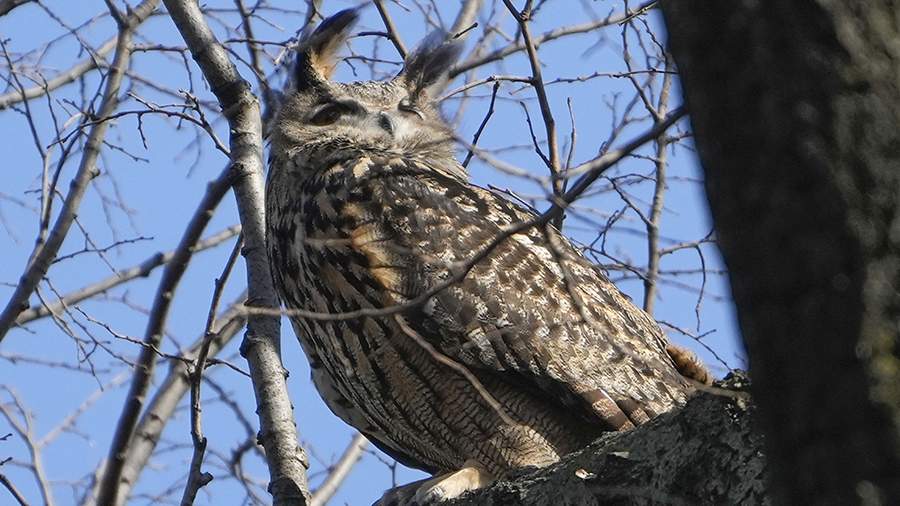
{"type": "Point", "coordinates": [164, 186]}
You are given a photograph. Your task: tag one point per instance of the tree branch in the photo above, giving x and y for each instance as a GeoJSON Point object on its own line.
{"type": "Point", "coordinates": [166, 398]}
{"type": "Point", "coordinates": [197, 478]}
{"type": "Point", "coordinates": [146, 363]}
{"type": "Point", "coordinates": [61, 79]}
{"type": "Point", "coordinates": [44, 253]}
{"type": "Point", "coordinates": [537, 82]}
{"type": "Point", "coordinates": [499, 54]}
{"type": "Point", "coordinates": [13, 490]}
{"type": "Point", "coordinates": [278, 433]}
{"type": "Point", "coordinates": [392, 34]}
{"type": "Point", "coordinates": [121, 277]}
{"type": "Point", "coordinates": [339, 471]}
{"type": "Point", "coordinates": [704, 453]}
{"type": "Point", "coordinates": [465, 17]}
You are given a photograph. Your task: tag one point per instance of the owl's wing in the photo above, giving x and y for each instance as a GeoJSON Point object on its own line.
{"type": "Point", "coordinates": [534, 312]}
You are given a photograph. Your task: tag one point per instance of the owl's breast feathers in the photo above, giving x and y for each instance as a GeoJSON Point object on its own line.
{"type": "Point", "coordinates": [534, 313]}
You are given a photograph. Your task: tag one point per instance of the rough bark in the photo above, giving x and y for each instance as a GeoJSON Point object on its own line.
{"type": "Point", "coordinates": [796, 111]}
{"type": "Point", "coordinates": [704, 453]}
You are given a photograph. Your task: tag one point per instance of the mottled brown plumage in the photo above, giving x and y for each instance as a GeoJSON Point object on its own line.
{"type": "Point", "coordinates": [529, 357]}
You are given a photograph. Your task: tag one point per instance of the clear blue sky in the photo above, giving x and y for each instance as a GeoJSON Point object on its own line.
{"type": "Point", "coordinates": [163, 191]}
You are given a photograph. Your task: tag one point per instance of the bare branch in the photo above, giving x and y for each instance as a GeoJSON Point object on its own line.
{"type": "Point", "coordinates": [339, 471]}
{"type": "Point", "coordinates": [121, 277]}
{"type": "Point", "coordinates": [170, 392]}
{"type": "Point", "coordinates": [143, 373]}
{"type": "Point", "coordinates": [197, 479]}
{"type": "Point", "coordinates": [465, 18]}
{"type": "Point", "coordinates": [392, 34]}
{"type": "Point", "coordinates": [460, 368]}
{"type": "Point", "coordinates": [537, 82]}
{"type": "Point", "coordinates": [11, 487]}
{"type": "Point", "coordinates": [554, 34]}
{"type": "Point", "coordinates": [484, 122]}
{"type": "Point", "coordinates": [278, 433]}
{"type": "Point", "coordinates": [25, 430]}
{"type": "Point", "coordinates": [659, 191]}
{"type": "Point", "coordinates": [61, 79]}
{"type": "Point", "coordinates": [44, 253]}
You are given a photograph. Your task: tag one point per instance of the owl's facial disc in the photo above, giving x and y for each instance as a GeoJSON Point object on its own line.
{"type": "Point", "coordinates": [392, 125]}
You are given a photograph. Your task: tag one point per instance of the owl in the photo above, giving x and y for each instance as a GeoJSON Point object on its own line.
{"type": "Point", "coordinates": [466, 369]}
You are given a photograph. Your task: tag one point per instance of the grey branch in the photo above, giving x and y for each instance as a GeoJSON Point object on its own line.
{"type": "Point", "coordinates": [391, 29]}
{"type": "Point", "coordinates": [166, 398]}
{"type": "Point", "coordinates": [278, 433]}
{"type": "Point", "coordinates": [338, 472]}
{"type": "Point", "coordinates": [466, 16]}
{"type": "Point", "coordinates": [13, 490]}
{"type": "Point", "coordinates": [537, 82]}
{"type": "Point", "coordinates": [499, 54]}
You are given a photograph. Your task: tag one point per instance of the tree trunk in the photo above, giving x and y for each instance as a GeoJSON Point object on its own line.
{"type": "Point", "coordinates": [796, 112]}
{"type": "Point", "coordinates": [703, 454]}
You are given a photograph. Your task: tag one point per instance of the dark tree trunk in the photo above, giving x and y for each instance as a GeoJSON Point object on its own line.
{"type": "Point", "coordinates": [796, 112]}
{"type": "Point", "coordinates": [703, 454]}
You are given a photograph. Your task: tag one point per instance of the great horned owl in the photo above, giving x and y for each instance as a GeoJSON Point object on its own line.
{"type": "Point", "coordinates": [531, 355]}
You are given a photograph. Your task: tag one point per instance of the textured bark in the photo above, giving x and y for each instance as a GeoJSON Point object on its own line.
{"type": "Point", "coordinates": [796, 112]}
{"type": "Point", "coordinates": [704, 453]}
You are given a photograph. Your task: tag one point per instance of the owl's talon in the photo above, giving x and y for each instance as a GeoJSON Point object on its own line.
{"type": "Point", "coordinates": [439, 488]}
{"type": "Point", "coordinates": [452, 485]}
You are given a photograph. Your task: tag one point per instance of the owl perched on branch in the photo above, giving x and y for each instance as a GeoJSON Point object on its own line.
{"type": "Point", "coordinates": [466, 369]}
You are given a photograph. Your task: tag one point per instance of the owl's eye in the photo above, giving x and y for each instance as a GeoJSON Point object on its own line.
{"type": "Point", "coordinates": [328, 114]}
{"type": "Point", "coordinates": [407, 107]}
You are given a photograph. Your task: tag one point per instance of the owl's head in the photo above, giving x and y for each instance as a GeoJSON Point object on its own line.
{"type": "Point", "coordinates": [322, 120]}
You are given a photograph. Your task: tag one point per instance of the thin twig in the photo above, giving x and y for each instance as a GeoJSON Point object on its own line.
{"type": "Point", "coordinates": [465, 18]}
{"type": "Point", "coordinates": [392, 34]}
{"type": "Point", "coordinates": [484, 122]}
{"type": "Point", "coordinates": [143, 373]}
{"type": "Point", "coordinates": [121, 277]}
{"type": "Point", "coordinates": [13, 490]}
{"type": "Point", "coordinates": [339, 471]}
{"type": "Point", "coordinates": [537, 82]}
{"type": "Point", "coordinates": [44, 253]}
{"type": "Point", "coordinates": [659, 192]}
{"type": "Point", "coordinates": [172, 389]}
{"type": "Point", "coordinates": [459, 368]}
{"type": "Point", "coordinates": [499, 54]}
{"type": "Point", "coordinates": [63, 78]}
{"type": "Point", "coordinates": [25, 430]}
{"type": "Point", "coordinates": [197, 478]}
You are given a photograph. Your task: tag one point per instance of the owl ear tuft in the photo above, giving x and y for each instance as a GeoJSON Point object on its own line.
{"type": "Point", "coordinates": [427, 68]}
{"type": "Point", "coordinates": [317, 51]}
